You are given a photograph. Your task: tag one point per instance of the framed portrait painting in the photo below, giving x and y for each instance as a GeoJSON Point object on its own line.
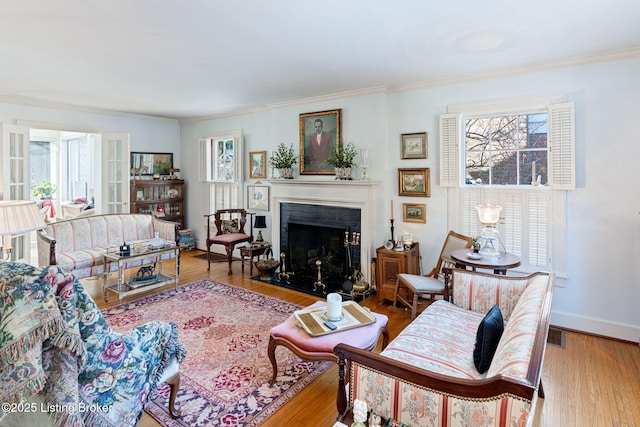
{"type": "Point", "coordinates": [414, 182]}
{"type": "Point", "coordinates": [258, 197]}
{"type": "Point", "coordinates": [257, 164]}
{"type": "Point", "coordinates": [319, 134]}
{"type": "Point", "coordinates": [414, 145]}
{"type": "Point", "coordinates": [414, 213]}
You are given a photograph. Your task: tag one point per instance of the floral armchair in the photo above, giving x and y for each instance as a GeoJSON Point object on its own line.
{"type": "Point", "coordinates": [57, 349]}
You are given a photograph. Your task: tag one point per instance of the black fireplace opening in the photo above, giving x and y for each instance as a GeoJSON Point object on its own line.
{"type": "Point", "coordinates": [313, 246]}
{"type": "Point", "coordinates": [313, 236]}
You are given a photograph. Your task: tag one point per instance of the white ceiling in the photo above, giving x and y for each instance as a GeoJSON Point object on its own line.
{"type": "Point", "coordinates": [195, 58]}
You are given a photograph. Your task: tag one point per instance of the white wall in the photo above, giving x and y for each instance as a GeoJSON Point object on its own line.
{"type": "Point", "coordinates": [602, 292]}
{"type": "Point", "coordinates": [146, 133]}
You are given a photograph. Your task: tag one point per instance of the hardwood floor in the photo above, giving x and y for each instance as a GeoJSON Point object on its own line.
{"type": "Point", "coordinates": [593, 382]}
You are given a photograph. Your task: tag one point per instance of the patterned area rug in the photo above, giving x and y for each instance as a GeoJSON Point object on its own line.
{"type": "Point", "coordinates": [225, 376]}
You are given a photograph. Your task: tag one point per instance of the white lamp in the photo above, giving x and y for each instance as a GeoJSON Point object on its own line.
{"type": "Point", "coordinates": [489, 216]}
{"type": "Point", "coordinates": [17, 217]}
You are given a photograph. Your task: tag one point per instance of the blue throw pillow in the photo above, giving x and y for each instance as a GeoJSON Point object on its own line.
{"type": "Point", "coordinates": [487, 338]}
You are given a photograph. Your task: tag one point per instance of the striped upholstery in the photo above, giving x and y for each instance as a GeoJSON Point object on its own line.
{"type": "Point", "coordinates": [80, 242]}
{"type": "Point", "coordinates": [441, 339]}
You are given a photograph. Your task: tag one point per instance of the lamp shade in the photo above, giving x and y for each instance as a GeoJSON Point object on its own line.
{"type": "Point", "coordinates": [19, 216]}
{"type": "Point", "coordinates": [261, 221]}
{"type": "Point", "coordinates": [489, 214]}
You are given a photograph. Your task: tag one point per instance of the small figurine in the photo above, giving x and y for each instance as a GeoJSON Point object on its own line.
{"type": "Point", "coordinates": [375, 420]}
{"type": "Point", "coordinates": [359, 413]}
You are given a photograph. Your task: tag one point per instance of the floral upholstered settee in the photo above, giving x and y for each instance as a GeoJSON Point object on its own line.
{"type": "Point", "coordinates": [427, 376]}
{"type": "Point", "coordinates": [77, 244]}
{"type": "Point", "coordinates": [63, 365]}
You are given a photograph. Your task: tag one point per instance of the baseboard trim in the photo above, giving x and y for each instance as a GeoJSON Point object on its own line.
{"type": "Point", "coordinates": [593, 326]}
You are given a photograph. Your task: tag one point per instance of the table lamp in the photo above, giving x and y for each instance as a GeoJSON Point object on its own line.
{"type": "Point", "coordinates": [17, 217]}
{"type": "Point", "coordinates": [489, 216]}
{"type": "Point", "coordinates": [261, 222]}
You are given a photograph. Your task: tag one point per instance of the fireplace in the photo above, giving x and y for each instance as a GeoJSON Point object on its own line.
{"type": "Point", "coordinates": [310, 220]}
{"type": "Point", "coordinates": [319, 236]}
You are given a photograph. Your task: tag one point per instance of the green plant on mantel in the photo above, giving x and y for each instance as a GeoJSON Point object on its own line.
{"type": "Point", "coordinates": [44, 190]}
{"type": "Point", "coordinates": [343, 156]}
{"type": "Point", "coordinates": [284, 157]}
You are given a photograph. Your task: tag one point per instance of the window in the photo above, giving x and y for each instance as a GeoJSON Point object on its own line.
{"type": "Point", "coordinates": [506, 149]}
{"type": "Point", "coordinates": [520, 160]}
{"type": "Point", "coordinates": [220, 158]}
{"type": "Point", "coordinates": [221, 166]}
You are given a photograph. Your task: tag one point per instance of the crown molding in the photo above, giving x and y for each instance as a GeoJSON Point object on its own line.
{"type": "Point", "coordinates": [21, 100]}
{"type": "Point", "coordinates": [609, 56]}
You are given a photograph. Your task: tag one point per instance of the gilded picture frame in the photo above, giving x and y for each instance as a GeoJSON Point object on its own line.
{"type": "Point", "coordinates": [258, 164]}
{"type": "Point", "coordinates": [320, 132]}
{"type": "Point", "coordinates": [412, 212]}
{"type": "Point", "coordinates": [414, 145]}
{"type": "Point", "coordinates": [414, 182]}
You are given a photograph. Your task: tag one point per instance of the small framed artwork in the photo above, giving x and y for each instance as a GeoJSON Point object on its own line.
{"type": "Point", "coordinates": [414, 182]}
{"type": "Point", "coordinates": [414, 213]}
{"type": "Point", "coordinates": [319, 134]}
{"type": "Point", "coordinates": [414, 145]}
{"type": "Point", "coordinates": [140, 194]}
{"type": "Point", "coordinates": [257, 164]}
{"type": "Point", "coordinates": [258, 197]}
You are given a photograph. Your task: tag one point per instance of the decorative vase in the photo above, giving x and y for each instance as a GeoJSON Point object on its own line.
{"type": "Point", "coordinates": [343, 173]}
{"type": "Point", "coordinates": [286, 173]}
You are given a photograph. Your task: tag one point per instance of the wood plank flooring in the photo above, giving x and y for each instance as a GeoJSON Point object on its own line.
{"type": "Point", "coordinates": [593, 382]}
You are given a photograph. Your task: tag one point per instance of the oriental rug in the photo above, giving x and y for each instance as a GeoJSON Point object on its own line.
{"type": "Point", "coordinates": [225, 375]}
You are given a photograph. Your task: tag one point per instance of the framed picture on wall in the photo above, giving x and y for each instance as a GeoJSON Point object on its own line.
{"type": "Point", "coordinates": [257, 164]}
{"type": "Point", "coordinates": [414, 182]}
{"type": "Point", "coordinates": [258, 197]}
{"type": "Point", "coordinates": [152, 163]}
{"type": "Point", "coordinates": [319, 134]}
{"type": "Point", "coordinates": [414, 213]}
{"type": "Point", "coordinates": [414, 145]}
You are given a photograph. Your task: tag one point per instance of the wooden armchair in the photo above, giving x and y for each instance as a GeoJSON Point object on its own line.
{"type": "Point", "coordinates": [229, 225]}
{"type": "Point", "coordinates": [433, 282]}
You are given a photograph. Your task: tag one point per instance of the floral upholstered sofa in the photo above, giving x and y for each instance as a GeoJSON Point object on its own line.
{"type": "Point", "coordinates": [77, 244]}
{"type": "Point", "coordinates": [427, 376]}
{"type": "Point", "coordinates": [63, 365]}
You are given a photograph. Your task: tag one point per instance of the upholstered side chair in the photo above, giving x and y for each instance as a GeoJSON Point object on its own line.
{"type": "Point", "coordinates": [229, 229]}
{"type": "Point", "coordinates": [432, 283]}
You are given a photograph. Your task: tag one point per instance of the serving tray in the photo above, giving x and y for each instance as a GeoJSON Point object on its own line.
{"type": "Point", "coordinates": [353, 316]}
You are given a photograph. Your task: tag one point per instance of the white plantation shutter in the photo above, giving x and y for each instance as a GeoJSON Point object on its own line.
{"type": "Point", "coordinates": [561, 136]}
{"type": "Point", "coordinates": [203, 155]}
{"type": "Point", "coordinates": [450, 140]}
{"type": "Point", "coordinates": [539, 209]}
{"type": "Point", "coordinates": [524, 227]}
{"type": "Point", "coordinates": [511, 220]}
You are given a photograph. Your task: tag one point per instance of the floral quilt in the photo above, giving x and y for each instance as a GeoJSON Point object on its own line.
{"type": "Point", "coordinates": [55, 342]}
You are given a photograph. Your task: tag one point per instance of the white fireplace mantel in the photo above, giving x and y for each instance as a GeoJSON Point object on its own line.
{"type": "Point", "coordinates": [346, 194]}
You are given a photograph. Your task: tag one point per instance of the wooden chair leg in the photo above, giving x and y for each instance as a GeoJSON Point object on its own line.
{"type": "Point", "coordinates": [271, 352]}
{"type": "Point", "coordinates": [229, 256]}
{"type": "Point", "coordinates": [414, 306]}
{"type": "Point", "coordinates": [174, 385]}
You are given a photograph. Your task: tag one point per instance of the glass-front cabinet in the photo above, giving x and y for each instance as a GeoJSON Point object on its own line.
{"type": "Point", "coordinates": [161, 198]}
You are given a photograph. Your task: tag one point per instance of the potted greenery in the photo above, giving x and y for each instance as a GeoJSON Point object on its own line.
{"type": "Point", "coordinates": [44, 190]}
{"type": "Point", "coordinates": [343, 160]}
{"type": "Point", "coordinates": [283, 159]}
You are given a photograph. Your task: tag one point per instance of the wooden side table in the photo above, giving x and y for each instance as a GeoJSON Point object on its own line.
{"type": "Point", "coordinates": [251, 251]}
{"type": "Point", "coordinates": [389, 264]}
